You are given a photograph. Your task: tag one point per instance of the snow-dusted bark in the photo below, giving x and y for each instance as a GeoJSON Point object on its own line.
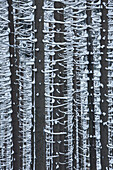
{"type": "Point", "coordinates": [81, 100]}
{"type": "Point", "coordinates": [68, 54]}
{"type": "Point", "coordinates": [5, 91]}
{"type": "Point", "coordinates": [49, 75]}
{"type": "Point", "coordinates": [104, 88]}
{"type": "Point", "coordinates": [109, 7]}
{"type": "Point", "coordinates": [23, 18]}
{"type": "Point", "coordinates": [56, 85]}
{"type": "Point", "coordinates": [14, 88]}
{"type": "Point", "coordinates": [92, 141]}
{"type": "Point", "coordinates": [96, 19]}
{"type": "Point", "coordinates": [58, 76]}
{"type": "Point", "coordinates": [59, 110]}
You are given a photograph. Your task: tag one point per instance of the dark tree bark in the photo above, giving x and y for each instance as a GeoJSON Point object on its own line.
{"type": "Point", "coordinates": [59, 145]}
{"type": "Point", "coordinates": [92, 139]}
{"type": "Point", "coordinates": [74, 111]}
{"type": "Point", "coordinates": [14, 93]}
{"type": "Point", "coordinates": [33, 106]}
{"type": "Point", "coordinates": [104, 88]}
{"type": "Point", "coordinates": [39, 89]}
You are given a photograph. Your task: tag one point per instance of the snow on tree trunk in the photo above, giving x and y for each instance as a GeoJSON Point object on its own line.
{"type": "Point", "coordinates": [5, 91]}
{"type": "Point", "coordinates": [59, 110]}
{"type": "Point", "coordinates": [48, 73]}
{"type": "Point", "coordinates": [104, 88]}
{"type": "Point", "coordinates": [92, 141]}
{"type": "Point", "coordinates": [56, 85]}
{"type": "Point", "coordinates": [68, 54]}
{"type": "Point", "coordinates": [109, 7]}
{"type": "Point", "coordinates": [96, 24]}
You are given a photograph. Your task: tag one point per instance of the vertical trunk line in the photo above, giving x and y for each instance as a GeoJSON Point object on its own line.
{"type": "Point", "coordinates": [74, 110]}
{"type": "Point", "coordinates": [59, 146]}
{"type": "Point", "coordinates": [15, 90]}
{"type": "Point", "coordinates": [104, 88]}
{"type": "Point", "coordinates": [74, 97]}
{"type": "Point", "coordinates": [39, 89]}
{"type": "Point", "coordinates": [91, 90]}
{"type": "Point", "coordinates": [33, 104]}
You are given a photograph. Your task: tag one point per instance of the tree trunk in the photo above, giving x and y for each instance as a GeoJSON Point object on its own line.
{"type": "Point", "coordinates": [39, 89]}
{"type": "Point", "coordinates": [14, 92]}
{"type": "Point", "coordinates": [59, 148]}
{"type": "Point", "coordinates": [92, 140]}
{"type": "Point", "coordinates": [104, 88]}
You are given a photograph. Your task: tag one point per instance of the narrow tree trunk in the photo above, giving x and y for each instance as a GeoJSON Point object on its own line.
{"type": "Point", "coordinates": [104, 88]}
{"type": "Point", "coordinates": [21, 117]}
{"type": "Point", "coordinates": [91, 90]}
{"type": "Point", "coordinates": [74, 111]}
{"type": "Point", "coordinates": [39, 89]}
{"type": "Point", "coordinates": [59, 148]}
{"type": "Point", "coordinates": [33, 108]}
{"type": "Point", "coordinates": [14, 92]}
{"type": "Point", "coordinates": [74, 98]}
